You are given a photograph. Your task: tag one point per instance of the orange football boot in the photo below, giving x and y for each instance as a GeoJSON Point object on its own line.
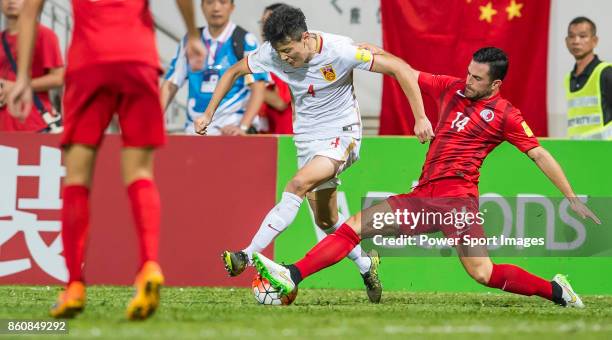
{"type": "Point", "coordinates": [146, 298]}
{"type": "Point", "coordinates": [70, 302]}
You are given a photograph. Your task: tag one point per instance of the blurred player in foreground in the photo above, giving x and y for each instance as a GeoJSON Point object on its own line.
{"type": "Point", "coordinates": [107, 74]}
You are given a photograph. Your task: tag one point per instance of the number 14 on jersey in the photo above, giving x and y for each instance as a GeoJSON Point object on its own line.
{"type": "Point", "coordinates": [459, 122]}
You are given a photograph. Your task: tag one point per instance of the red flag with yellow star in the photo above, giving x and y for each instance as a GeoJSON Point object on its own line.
{"type": "Point", "coordinates": [441, 36]}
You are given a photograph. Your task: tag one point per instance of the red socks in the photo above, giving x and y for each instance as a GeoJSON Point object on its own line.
{"type": "Point", "coordinates": [511, 278]}
{"type": "Point", "coordinates": [329, 251]}
{"type": "Point", "coordinates": [144, 199]}
{"type": "Point", "coordinates": [75, 223]}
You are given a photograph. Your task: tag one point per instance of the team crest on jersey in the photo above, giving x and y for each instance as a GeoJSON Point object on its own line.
{"type": "Point", "coordinates": [487, 115]}
{"type": "Point", "coordinates": [328, 72]}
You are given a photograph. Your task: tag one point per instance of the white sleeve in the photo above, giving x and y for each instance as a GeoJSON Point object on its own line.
{"type": "Point", "coordinates": [178, 71]}
{"type": "Point", "coordinates": [355, 57]}
{"type": "Point", "coordinates": [261, 60]}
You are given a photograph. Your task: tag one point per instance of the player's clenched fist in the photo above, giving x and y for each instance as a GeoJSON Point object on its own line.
{"type": "Point", "coordinates": [196, 53]}
{"type": "Point", "coordinates": [201, 123]}
{"type": "Point", "coordinates": [423, 130]}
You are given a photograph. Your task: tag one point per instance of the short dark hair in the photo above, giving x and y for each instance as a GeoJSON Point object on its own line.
{"type": "Point", "coordinates": [285, 23]}
{"type": "Point", "coordinates": [495, 58]}
{"type": "Point", "coordinates": [582, 20]}
{"type": "Point", "coordinates": [274, 6]}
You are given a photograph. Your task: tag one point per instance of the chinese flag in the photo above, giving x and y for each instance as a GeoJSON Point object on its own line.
{"type": "Point", "coordinates": [441, 36]}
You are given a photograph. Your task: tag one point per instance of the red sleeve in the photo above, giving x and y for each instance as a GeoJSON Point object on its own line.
{"type": "Point", "coordinates": [51, 56]}
{"type": "Point", "coordinates": [433, 85]}
{"type": "Point", "coordinates": [517, 132]}
{"type": "Point", "coordinates": [283, 91]}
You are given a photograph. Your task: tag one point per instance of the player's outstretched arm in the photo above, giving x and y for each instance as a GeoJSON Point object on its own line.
{"type": "Point", "coordinates": [551, 168]}
{"type": "Point", "coordinates": [223, 86]}
{"type": "Point", "coordinates": [407, 77]}
{"type": "Point", "coordinates": [20, 98]}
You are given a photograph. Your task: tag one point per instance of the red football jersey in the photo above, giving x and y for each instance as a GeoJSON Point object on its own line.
{"type": "Point", "coordinates": [112, 31]}
{"type": "Point", "coordinates": [468, 130]}
{"type": "Point", "coordinates": [47, 55]}
{"type": "Point", "coordinates": [281, 122]}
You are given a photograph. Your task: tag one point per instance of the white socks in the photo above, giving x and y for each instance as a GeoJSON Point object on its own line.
{"type": "Point", "coordinates": [277, 220]}
{"type": "Point", "coordinates": [281, 216]}
{"type": "Point", "coordinates": [363, 262]}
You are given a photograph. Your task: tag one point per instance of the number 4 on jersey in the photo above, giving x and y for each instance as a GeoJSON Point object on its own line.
{"type": "Point", "coordinates": [311, 90]}
{"type": "Point", "coordinates": [460, 123]}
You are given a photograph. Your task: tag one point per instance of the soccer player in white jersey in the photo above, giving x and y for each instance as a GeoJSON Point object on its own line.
{"type": "Point", "coordinates": [319, 70]}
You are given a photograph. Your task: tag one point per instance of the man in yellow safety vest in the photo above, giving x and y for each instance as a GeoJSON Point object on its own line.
{"type": "Point", "coordinates": [588, 87]}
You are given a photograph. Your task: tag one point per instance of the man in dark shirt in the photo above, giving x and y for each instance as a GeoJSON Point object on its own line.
{"type": "Point", "coordinates": [589, 85]}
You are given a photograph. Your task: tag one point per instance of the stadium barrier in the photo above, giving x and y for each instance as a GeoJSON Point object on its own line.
{"type": "Point", "coordinates": [392, 165]}
{"type": "Point", "coordinates": [215, 191]}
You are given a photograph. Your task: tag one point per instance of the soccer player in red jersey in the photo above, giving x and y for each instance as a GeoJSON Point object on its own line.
{"type": "Point", "coordinates": [474, 119]}
{"type": "Point", "coordinates": [113, 66]}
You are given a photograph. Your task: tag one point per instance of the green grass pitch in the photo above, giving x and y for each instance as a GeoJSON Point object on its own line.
{"type": "Point", "coordinates": [195, 313]}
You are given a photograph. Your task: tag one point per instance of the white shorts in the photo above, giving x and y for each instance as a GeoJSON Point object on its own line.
{"type": "Point", "coordinates": [344, 149]}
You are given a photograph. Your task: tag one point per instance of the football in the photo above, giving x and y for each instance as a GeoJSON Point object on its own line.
{"type": "Point", "coordinates": [265, 294]}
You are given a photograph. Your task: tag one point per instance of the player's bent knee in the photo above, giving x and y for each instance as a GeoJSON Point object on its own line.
{"type": "Point", "coordinates": [355, 224]}
{"type": "Point", "coordinates": [325, 223]}
{"type": "Point", "coordinates": [480, 273]}
{"type": "Point", "coordinates": [80, 180]}
{"type": "Point", "coordinates": [481, 278]}
{"type": "Point", "coordinates": [298, 186]}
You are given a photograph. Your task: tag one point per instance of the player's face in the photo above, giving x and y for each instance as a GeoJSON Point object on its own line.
{"type": "Point", "coordinates": [217, 12]}
{"type": "Point", "coordinates": [478, 83]}
{"type": "Point", "coordinates": [12, 8]}
{"type": "Point", "coordinates": [580, 40]}
{"type": "Point", "coordinates": [293, 52]}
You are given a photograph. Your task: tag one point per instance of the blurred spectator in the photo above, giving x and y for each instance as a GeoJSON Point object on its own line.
{"type": "Point", "coordinates": [226, 43]}
{"type": "Point", "coordinates": [47, 71]}
{"type": "Point", "coordinates": [588, 86]}
{"type": "Point", "coordinates": [277, 108]}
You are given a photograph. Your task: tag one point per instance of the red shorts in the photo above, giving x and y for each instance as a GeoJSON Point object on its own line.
{"type": "Point", "coordinates": [94, 94]}
{"type": "Point", "coordinates": [442, 198]}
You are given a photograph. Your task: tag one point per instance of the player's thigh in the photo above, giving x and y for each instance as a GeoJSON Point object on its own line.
{"type": "Point", "coordinates": [140, 113]}
{"type": "Point", "coordinates": [89, 104]}
{"type": "Point", "coordinates": [341, 152]}
{"type": "Point", "coordinates": [374, 220]}
{"type": "Point", "coordinates": [316, 171]}
{"type": "Point", "coordinates": [79, 161]}
{"type": "Point", "coordinates": [137, 163]}
{"type": "Point", "coordinates": [324, 205]}
{"type": "Point", "coordinates": [407, 212]}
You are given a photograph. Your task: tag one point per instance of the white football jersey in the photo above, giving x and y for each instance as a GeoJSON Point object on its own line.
{"type": "Point", "coordinates": [325, 103]}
